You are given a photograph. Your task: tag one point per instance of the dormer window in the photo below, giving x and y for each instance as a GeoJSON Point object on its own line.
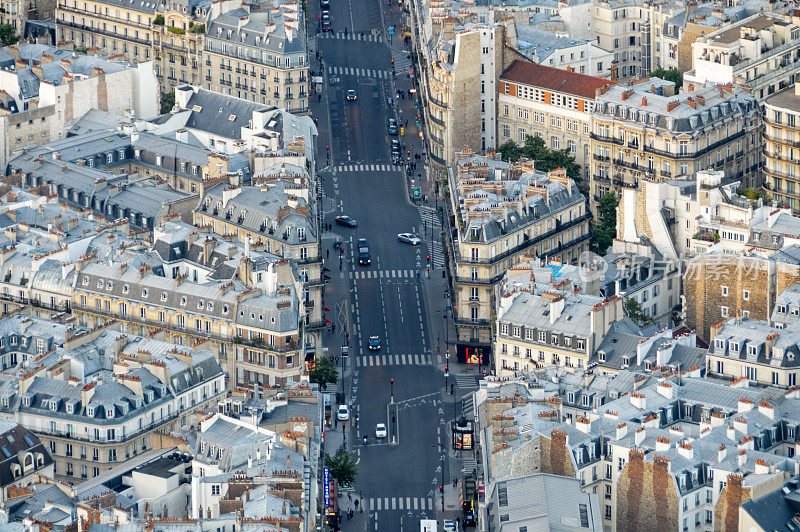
{"type": "Point", "coordinates": [145, 292]}
{"type": "Point", "coordinates": [85, 280]}
{"type": "Point", "coordinates": [795, 311]}
{"type": "Point", "coordinates": [200, 304]}
{"type": "Point", "coordinates": [109, 412]}
{"type": "Point", "coordinates": [782, 309]}
{"type": "Point", "coordinates": [210, 306]}
{"type": "Point", "coordinates": [125, 289]}
{"type": "Point", "coordinates": [183, 301]}
{"type": "Point", "coordinates": [601, 356]}
{"type": "Point", "coordinates": [224, 309]}
{"type": "Point", "coordinates": [752, 350]}
{"type": "Point", "coordinates": [90, 411]}
{"type": "Point", "coordinates": [26, 400]}
{"type": "Point", "coordinates": [109, 285]}
{"type": "Point", "coordinates": [163, 296]}
{"type": "Point", "coordinates": [735, 347]}
{"type": "Point", "coordinates": [70, 408]}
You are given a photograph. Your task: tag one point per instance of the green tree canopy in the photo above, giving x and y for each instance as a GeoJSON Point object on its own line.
{"type": "Point", "coordinates": [673, 74]}
{"type": "Point", "coordinates": [604, 229]}
{"type": "Point", "coordinates": [324, 372]}
{"type": "Point", "coordinates": [167, 102]}
{"type": "Point", "coordinates": [342, 467]}
{"type": "Point", "coordinates": [635, 312]}
{"type": "Point", "coordinates": [7, 35]}
{"type": "Point", "coordinates": [546, 159]}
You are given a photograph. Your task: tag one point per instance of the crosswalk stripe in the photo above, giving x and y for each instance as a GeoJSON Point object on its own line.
{"type": "Point", "coordinates": [430, 503]}
{"type": "Point", "coordinates": [408, 503]}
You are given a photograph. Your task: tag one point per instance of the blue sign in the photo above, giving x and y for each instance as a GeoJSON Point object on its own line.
{"type": "Point", "coordinates": [326, 478]}
{"type": "Point", "coordinates": [390, 31]}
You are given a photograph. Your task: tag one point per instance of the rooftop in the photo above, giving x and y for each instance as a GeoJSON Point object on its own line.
{"type": "Point", "coordinates": [554, 79]}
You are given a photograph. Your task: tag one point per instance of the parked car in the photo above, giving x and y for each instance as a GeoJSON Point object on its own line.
{"type": "Point", "coordinates": [380, 431]}
{"type": "Point", "coordinates": [408, 238]}
{"type": "Point", "coordinates": [374, 343]}
{"type": "Point", "coordinates": [392, 127]}
{"type": "Point", "coordinates": [325, 4]}
{"type": "Point", "coordinates": [351, 95]}
{"type": "Point", "coordinates": [326, 21]}
{"type": "Point", "coordinates": [346, 221]}
{"type": "Point", "coordinates": [343, 414]}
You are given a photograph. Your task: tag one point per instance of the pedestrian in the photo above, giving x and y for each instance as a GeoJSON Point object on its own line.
{"type": "Point", "coordinates": [319, 97]}
{"type": "Point", "coordinates": [351, 513]}
{"type": "Point", "coordinates": [334, 328]}
{"type": "Point", "coordinates": [356, 503]}
{"type": "Point", "coordinates": [349, 496]}
{"type": "Point", "coordinates": [327, 253]}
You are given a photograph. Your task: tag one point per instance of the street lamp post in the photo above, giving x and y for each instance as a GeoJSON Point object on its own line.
{"type": "Point", "coordinates": [391, 385]}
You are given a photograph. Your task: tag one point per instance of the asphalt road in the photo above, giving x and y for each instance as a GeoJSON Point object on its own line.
{"type": "Point", "coordinates": [398, 482]}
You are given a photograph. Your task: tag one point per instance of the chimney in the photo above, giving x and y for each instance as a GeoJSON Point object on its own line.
{"type": "Point", "coordinates": [731, 433]}
{"type": "Point", "coordinates": [86, 394]}
{"type": "Point", "coordinates": [762, 467]}
{"type": "Point", "coordinates": [556, 308]}
{"type": "Point", "coordinates": [249, 462]}
{"type": "Point", "coordinates": [742, 458]}
{"type": "Point", "coordinates": [685, 450]}
{"type": "Point", "coordinates": [56, 156]}
{"type": "Point", "coordinates": [638, 437]}
{"type": "Point", "coordinates": [740, 425]}
{"type": "Point", "coordinates": [766, 409]}
{"type": "Point", "coordinates": [622, 430]}
{"type": "Point", "coordinates": [722, 453]}
{"type": "Point", "coordinates": [638, 400]}
{"type": "Point", "coordinates": [745, 405]}
{"type": "Point", "coordinates": [665, 389]}
{"type": "Point", "coordinates": [662, 444]}
{"type": "Point", "coordinates": [583, 424]}
{"type": "Point", "coordinates": [644, 102]}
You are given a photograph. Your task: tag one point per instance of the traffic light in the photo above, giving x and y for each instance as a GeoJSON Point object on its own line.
{"type": "Point", "coordinates": [347, 335]}
{"type": "Point", "coordinates": [428, 258]}
{"type": "Point", "coordinates": [392, 60]}
{"type": "Point", "coordinates": [441, 488]}
{"type": "Point", "coordinates": [391, 380]}
{"type": "Point", "coordinates": [446, 367]}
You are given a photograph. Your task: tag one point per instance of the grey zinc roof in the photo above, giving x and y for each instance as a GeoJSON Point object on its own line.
{"type": "Point", "coordinates": [533, 311]}
{"type": "Point", "coordinates": [252, 205]}
{"type": "Point", "coordinates": [256, 25]}
{"type": "Point", "coordinates": [719, 105]}
{"type": "Point", "coordinates": [215, 110]}
{"type": "Point", "coordinates": [777, 509]}
{"type": "Point", "coordinates": [263, 312]}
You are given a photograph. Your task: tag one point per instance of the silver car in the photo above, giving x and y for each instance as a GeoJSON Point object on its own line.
{"type": "Point", "coordinates": [408, 238]}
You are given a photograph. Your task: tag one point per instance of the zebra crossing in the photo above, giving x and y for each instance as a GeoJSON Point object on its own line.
{"type": "Point", "coordinates": [383, 274]}
{"type": "Point", "coordinates": [361, 72]}
{"type": "Point", "coordinates": [378, 504]}
{"type": "Point", "coordinates": [401, 61]}
{"type": "Point", "coordinates": [368, 168]}
{"type": "Point", "coordinates": [466, 383]}
{"type": "Point", "coordinates": [433, 225]}
{"type": "Point", "coordinates": [351, 36]}
{"type": "Point", "coordinates": [393, 360]}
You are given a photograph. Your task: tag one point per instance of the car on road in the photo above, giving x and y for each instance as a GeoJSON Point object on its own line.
{"type": "Point", "coordinates": [351, 95]}
{"type": "Point", "coordinates": [346, 221]}
{"type": "Point", "coordinates": [326, 21]}
{"type": "Point", "coordinates": [343, 414]}
{"type": "Point", "coordinates": [408, 238]}
{"type": "Point", "coordinates": [325, 4]}
{"type": "Point", "coordinates": [395, 148]}
{"type": "Point", "coordinates": [374, 343]}
{"type": "Point", "coordinates": [380, 431]}
{"type": "Point", "coordinates": [392, 127]}
{"type": "Point", "coordinates": [364, 257]}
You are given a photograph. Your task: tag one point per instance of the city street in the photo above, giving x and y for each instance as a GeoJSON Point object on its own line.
{"type": "Point", "coordinates": [395, 297]}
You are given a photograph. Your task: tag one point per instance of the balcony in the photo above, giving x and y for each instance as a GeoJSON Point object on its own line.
{"type": "Point", "coordinates": [613, 140]}
{"type": "Point", "coordinates": [99, 31]}
{"type": "Point", "coordinates": [779, 140]}
{"type": "Point", "coordinates": [91, 14]}
{"type": "Point", "coordinates": [601, 158]}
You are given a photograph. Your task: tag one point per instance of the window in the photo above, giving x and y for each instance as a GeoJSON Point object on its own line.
{"type": "Point", "coordinates": [746, 295]}
{"type": "Point", "coordinates": [724, 291]}
{"type": "Point", "coordinates": [724, 311]}
{"type": "Point", "coordinates": [608, 508]}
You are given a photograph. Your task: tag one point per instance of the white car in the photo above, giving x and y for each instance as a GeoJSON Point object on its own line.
{"type": "Point", "coordinates": [380, 431]}
{"type": "Point", "coordinates": [409, 238]}
{"type": "Point", "coordinates": [343, 414]}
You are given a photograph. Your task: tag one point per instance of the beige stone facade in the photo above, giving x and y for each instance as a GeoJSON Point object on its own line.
{"type": "Point", "coordinates": [782, 147]}
{"type": "Point", "coordinates": [644, 132]}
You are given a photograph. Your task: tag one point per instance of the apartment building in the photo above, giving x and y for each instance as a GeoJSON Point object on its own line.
{"type": "Point", "coordinates": [547, 102]}
{"type": "Point", "coordinates": [276, 218]}
{"type": "Point", "coordinates": [256, 334]}
{"type": "Point", "coordinates": [90, 419]}
{"type": "Point", "coordinates": [44, 88]}
{"type": "Point", "coordinates": [117, 28]}
{"type": "Point", "coordinates": [259, 56]}
{"type": "Point", "coordinates": [759, 53]}
{"type": "Point", "coordinates": [17, 13]}
{"type": "Point", "coordinates": [550, 328]}
{"type": "Point", "coordinates": [504, 212]}
{"type": "Point", "coordinates": [757, 351]}
{"type": "Point", "coordinates": [643, 132]}
{"type": "Point", "coordinates": [617, 28]}
{"type": "Point", "coordinates": [25, 460]}
{"type": "Point", "coordinates": [782, 147]}
{"type": "Point", "coordinates": [562, 50]}
{"type": "Point", "coordinates": [460, 91]}
{"type": "Point", "coordinates": [178, 31]}
{"type": "Point", "coordinates": [685, 217]}
{"type": "Point", "coordinates": [661, 452]}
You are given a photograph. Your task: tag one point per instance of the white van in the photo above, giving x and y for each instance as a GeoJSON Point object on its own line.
{"type": "Point", "coordinates": [428, 525]}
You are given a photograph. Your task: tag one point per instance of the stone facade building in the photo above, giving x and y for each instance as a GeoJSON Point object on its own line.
{"type": "Point", "coordinates": [550, 103]}
{"type": "Point", "coordinates": [259, 56]}
{"type": "Point", "coordinates": [178, 32]}
{"type": "Point", "coordinates": [504, 212]}
{"type": "Point", "coordinates": [643, 132]}
{"type": "Point", "coordinates": [782, 147]}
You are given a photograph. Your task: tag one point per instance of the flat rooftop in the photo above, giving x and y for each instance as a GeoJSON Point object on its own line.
{"type": "Point", "coordinates": [785, 99]}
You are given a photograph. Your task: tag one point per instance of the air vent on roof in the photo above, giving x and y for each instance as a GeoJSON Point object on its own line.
{"type": "Point", "coordinates": [197, 108]}
{"type": "Point", "coordinates": [232, 118]}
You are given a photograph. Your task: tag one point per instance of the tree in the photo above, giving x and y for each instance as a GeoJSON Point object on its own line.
{"type": "Point", "coordinates": [673, 74]}
{"type": "Point", "coordinates": [324, 372]}
{"type": "Point", "coordinates": [167, 102]}
{"type": "Point", "coordinates": [605, 229]}
{"type": "Point", "coordinates": [7, 35]}
{"type": "Point", "coordinates": [342, 467]}
{"type": "Point", "coordinates": [635, 312]}
{"type": "Point", "coordinates": [545, 159]}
